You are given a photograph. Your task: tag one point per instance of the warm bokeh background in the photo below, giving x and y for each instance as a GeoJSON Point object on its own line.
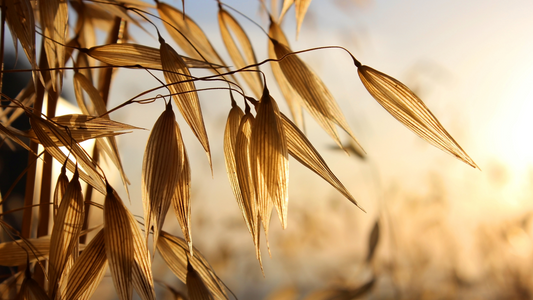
{"type": "Point", "coordinates": [446, 230]}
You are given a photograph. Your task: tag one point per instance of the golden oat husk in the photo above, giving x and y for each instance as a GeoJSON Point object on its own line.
{"type": "Point", "coordinates": [303, 151]}
{"type": "Point", "coordinates": [241, 57]}
{"type": "Point", "coordinates": [175, 253]}
{"type": "Point", "coordinates": [184, 93]}
{"type": "Point", "coordinates": [162, 165]}
{"type": "Point", "coordinates": [244, 170]}
{"type": "Point", "coordinates": [293, 99]}
{"type": "Point", "coordinates": [119, 243]}
{"type": "Point", "coordinates": [195, 286]}
{"type": "Point", "coordinates": [88, 270]}
{"type": "Point", "coordinates": [406, 107]}
{"type": "Point", "coordinates": [65, 233]}
{"type": "Point", "coordinates": [269, 159]}
{"type": "Point", "coordinates": [316, 96]}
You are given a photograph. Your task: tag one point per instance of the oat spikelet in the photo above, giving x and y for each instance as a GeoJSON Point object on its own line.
{"type": "Point", "coordinates": [185, 94]}
{"type": "Point", "coordinates": [88, 270]}
{"type": "Point", "coordinates": [175, 253]}
{"type": "Point", "coordinates": [293, 99]}
{"type": "Point", "coordinates": [243, 57]}
{"type": "Point", "coordinates": [21, 22]}
{"type": "Point", "coordinates": [142, 278]}
{"type": "Point", "coordinates": [317, 98]}
{"type": "Point", "coordinates": [30, 289]}
{"type": "Point", "coordinates": [54, 21]}
{"type": "Point", "coordinates": [195, 286]}
{"type": "Point", "coordinates": [61, 187]}
{"type": "Point", "coordinates": [407, 108]}
{"type": "Point", "coordinates": [125, 54]}
{"type": "Point", "coordinates": [269, 157]}
{"type": "Point", "coordinates": [175, 19]}
{"type": "Point", "coordinates": [65, 233]}
{"type": "Point", "coordinates": [300, 9]}
{"type": "Point", "coordinates": [182, 199]}
{"type": "Point", "coordinates": [119, 244]}
{"type": "Point", "coordinates": [303, 151]}
{"type": "Point", "coordinates": [162, 164]}
{"type": "Point", "coordinates": [230, 139]}
{"type": "Point", "coordinates": [243, 164]}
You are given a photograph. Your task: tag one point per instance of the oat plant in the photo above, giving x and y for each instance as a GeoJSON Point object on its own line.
{"type": "Point", "coordinates": [51, 257]}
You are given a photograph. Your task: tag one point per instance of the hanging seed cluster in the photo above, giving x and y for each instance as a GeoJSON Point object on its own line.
{"type": "Point", "coordinates": [60, 262]}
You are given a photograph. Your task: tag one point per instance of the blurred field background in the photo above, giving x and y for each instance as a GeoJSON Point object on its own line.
{"type": "Point", "coordinates": [446, 231]}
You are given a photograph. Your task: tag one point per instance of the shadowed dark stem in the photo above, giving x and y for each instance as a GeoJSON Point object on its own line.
{"type": "Point", "coordinates": [30, 177]}
{"type": "Point", "coordinates": [104, 85]}
{"type": "Point", "coordinates": [46, 188]}
{"type": "Point", "coordinates": [3, 8]}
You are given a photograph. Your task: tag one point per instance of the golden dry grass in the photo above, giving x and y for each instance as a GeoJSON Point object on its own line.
{"type": "Point", "coordinates": [60, 263]}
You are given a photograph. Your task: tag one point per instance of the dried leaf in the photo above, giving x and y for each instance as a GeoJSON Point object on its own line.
{"type": "Point", "coordinates": [22, 25]}
{"type": "Point", "coordinates": [175, 252]}
{"type": "Point", "coordinates": [293, 99]}
{"type": "Point", "coordinates": [12, 134]}
{"type": "Point", "coordinates": [303, 151]}
{"type": "Point", "coordinates": [195, 286]}
{"type": "Point", "coordinates": [16, 253]}
{"type": "Point", "coordinates": [99, 109]}
{"type": "Point", "coordinates": [318, 99]}
{"type": "Point", "coordinates": [269, 157]}
{"type": "Point", "coordinates": [87, 271]}
{"type": "Point", "coordinates": [78, 122]}
{"type": "Point", "coordinates": [65, 233]}
{"type": "Point", "coordinates": [162, 166]}
{"type": "Point", "coordinates": [127, 54]}
{"type": "Point", "coordinates": [54, 20]}
{"type": "Point", "coordinates": [82, 128]}
{"type": "Point", "coordinates": [184, 93]}
{"type": "Point", "coordinates": [227, 23]}
{"type": "Point", "coordinates": [407, 108]}
{"type": "Point", "coordinates": [119, 243]}
{"type": "Point", "coordinates": [26, 97]}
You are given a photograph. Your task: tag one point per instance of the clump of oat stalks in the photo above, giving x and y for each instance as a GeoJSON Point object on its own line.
{"type": "Point", "coordinates": [59, 262]}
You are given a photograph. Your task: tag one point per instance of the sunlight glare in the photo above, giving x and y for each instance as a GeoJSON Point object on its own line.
{"type": "Point", "coordinates": [516, 122]}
